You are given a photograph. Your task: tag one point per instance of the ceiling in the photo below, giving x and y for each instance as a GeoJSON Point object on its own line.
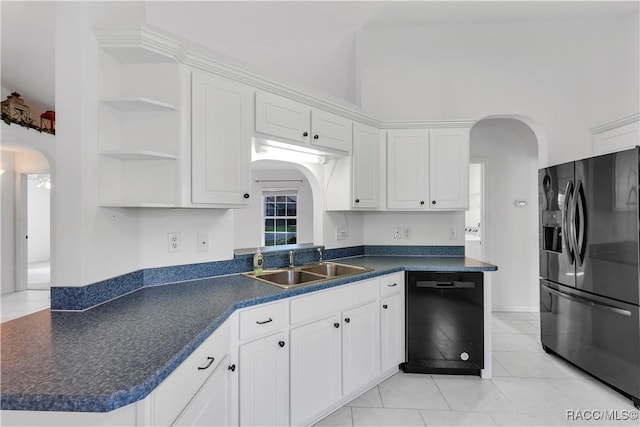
{"type": "Point", "coordinates": [28, 28]}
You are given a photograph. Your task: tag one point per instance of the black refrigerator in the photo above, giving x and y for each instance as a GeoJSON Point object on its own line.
{"type": "Point", "coordinates": [589, 282]}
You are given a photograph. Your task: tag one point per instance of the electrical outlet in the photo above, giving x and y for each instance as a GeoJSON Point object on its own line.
{"type": "Point", "coordinates": [453, 233]}
{"type": "Point", "coordinates": [397, 232]}
{"type": "Point", "coordinates": [406, 232]}
{"type": "Point", "coordinates": [341, 233]}
{"type": "Point", "coordinates": [203, 242]}
{"type": "Point", "coordinates": [174, 242]}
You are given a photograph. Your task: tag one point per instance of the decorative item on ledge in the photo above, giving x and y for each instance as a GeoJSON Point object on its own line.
{"type": "Point", "coordinates": [14, 110]}
{"type": "Point", "coordinates": [48, 122]}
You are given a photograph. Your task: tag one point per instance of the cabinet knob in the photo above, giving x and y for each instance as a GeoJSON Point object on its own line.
{"type": "Point", "coordinates": [245, 195]}
{"type": "Point", "coordinates": [232, 368]}
{"type": "Point", "coordinates": [315, 137]}
{"type": "Point", "coordinates": [347, 320]}
{"type": "Point", "coordinates": [305, 134]}
{"type": "Point", "coordinates": [336, 325]}
{"type": "Point", "coordinates": [281, 343]}
{"type": "Point", "coordinates": [433, 202]}
{"type": "Point", "coordinates": [357, 200]}
{"type": "Point", "coordinates": [422, 202]}
{"type": "Point", "coordinates": [385, 306]}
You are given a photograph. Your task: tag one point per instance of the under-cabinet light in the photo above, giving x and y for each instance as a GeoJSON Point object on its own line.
{"type": "Point", "coordinates": [290, 155]}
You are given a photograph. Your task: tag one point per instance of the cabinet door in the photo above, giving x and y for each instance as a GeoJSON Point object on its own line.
{"type": "Point", "coordinates": [365, 166]}
{"type": "Point", "coordinates": [407, 169]}
{"type": "Point", "coordinates": [391, 332]}
{"type": "Point", "coordinates": [315, 368]}
{"type": "Point", "coordinates": [221, 140]}
{"type": "Point", "coordinates": [360, 346]}
{"type": "Point", "coordinates": [211, 406]}
{"type": "Point", "coordinates": [264, 382]}
{"type": "Point", "coordinates": [282, 117]}
{"type": "Point", "coordinates": [449, 169]}
{"type": "Point", "coordinates": [331, 131]}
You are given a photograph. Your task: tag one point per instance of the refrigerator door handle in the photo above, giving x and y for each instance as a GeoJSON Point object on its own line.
{"type": "Point", "coordinates": [580, 238]}
{"type": "Point", "coordinates": [588, 302]}
{"type": "Point", "coordinates": [566, 220]}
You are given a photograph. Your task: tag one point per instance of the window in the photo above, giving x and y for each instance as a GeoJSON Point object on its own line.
{"type": "Point", "coordinates": [280, 218]}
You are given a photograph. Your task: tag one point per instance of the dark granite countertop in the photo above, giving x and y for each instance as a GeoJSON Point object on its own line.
{"type": "Point", "coordinates": [117, 353]}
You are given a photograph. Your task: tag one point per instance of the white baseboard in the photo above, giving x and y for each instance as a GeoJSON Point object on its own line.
{"type": "Point", "coordinates": [513, 309]}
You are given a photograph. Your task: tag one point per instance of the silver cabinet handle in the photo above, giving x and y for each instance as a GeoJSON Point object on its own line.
{"type": "Point", "coordinates": [264, 321]}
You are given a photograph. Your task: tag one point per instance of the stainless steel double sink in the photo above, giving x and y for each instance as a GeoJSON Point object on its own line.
{"type": "Point", "coordinates": [306, 274]}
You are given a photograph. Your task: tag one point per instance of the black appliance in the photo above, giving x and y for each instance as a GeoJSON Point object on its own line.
{"type": "Point", "coordinates": [444, 323]}
{"type": "Point", "coordinates": [589, 284]}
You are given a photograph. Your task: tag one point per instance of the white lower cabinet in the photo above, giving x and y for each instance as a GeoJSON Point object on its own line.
{"type": "Point", "coordinates": [360, 346]}
{"type": "Point", "coordinates": [188, 382]}
{"type": "Point", "coordinates": [263, 368]}
{"type": "Point", "coordinates": [316, 368]}
{"type": "Point", "coordinates": [212, 405]}
{"type": "Point", "coordinates": [392, 322]}
{"type": "Point", "coordinates": [391, 332]}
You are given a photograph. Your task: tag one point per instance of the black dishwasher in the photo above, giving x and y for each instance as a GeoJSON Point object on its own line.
{"type": "Point", "coordinates": [444, 322]}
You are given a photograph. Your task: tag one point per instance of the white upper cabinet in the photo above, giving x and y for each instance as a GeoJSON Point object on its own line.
{"type": "Point", "coordinates": [354, 182]}
{"type": "Point", "coordinates": [428, 169]}
{"type": "Point", "coordinates": [366, 166]}
{"type": "Point", "coordinates": [449, 169]}
{"type": "Point", "coordinates": [283, 119]}
{"type": "Point", "coordinates": [407, 169]}
{"type": "Point", "coordinates": [221, 141]}
{"type": "Point", "coordinates": [330, 131]}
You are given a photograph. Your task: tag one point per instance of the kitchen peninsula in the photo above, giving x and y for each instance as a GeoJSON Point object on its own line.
{"type": "Point", "coordinates": [117, 353]}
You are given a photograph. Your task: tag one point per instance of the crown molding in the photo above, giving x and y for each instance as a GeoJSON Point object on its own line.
{"type": "Point", "coordinates": [613, 124]}
{"type": "Point", "coordinates": [426, 124]}
{"type": "Point", "coordinates": [145, 43]}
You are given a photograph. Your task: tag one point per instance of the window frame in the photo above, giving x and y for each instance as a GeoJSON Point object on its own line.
{"type": "Point", "coordinates": [279, 193]}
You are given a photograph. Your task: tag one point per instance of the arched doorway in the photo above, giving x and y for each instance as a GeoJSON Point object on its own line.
{"type": "Point", "coordinates": [509, 148]}
{"type": "Point", "coordinates": [26, 232]}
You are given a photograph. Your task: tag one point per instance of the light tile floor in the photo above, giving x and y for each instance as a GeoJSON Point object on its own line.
{"type": "Point", "coordinates": [529, 388]}
{"type": "Point", "coordinates": [18, 304]}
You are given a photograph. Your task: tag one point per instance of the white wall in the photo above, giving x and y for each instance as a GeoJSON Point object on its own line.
{"type": "Point", "coordinates": [288, 45]}
{"type": "Point", "coordinates": [248, 222]}
{"type": "Point", "coordinates": [567, 76]}
{"type": "Point", "coordinates": [511, 233]}
{"type": "Point", "coordinates": [91, 243]}
{"type": "Point", "coordinates": [427, 228]}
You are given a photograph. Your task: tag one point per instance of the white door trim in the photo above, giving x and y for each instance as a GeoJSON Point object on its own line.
{"type": "Point", "coordinates": [484, 214]}
{"type": "Point", "coordinates": [21, 232]}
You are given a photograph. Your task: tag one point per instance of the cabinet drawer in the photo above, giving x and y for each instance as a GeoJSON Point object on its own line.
{"type": "Point", "coordinates": [323, 303]}
{"type": "Point", "coordinates": [262, 320]}
{"type": "Point", "coordinates": [175, 392]}
{"type": "Point", "coordinates": [391, 284]}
